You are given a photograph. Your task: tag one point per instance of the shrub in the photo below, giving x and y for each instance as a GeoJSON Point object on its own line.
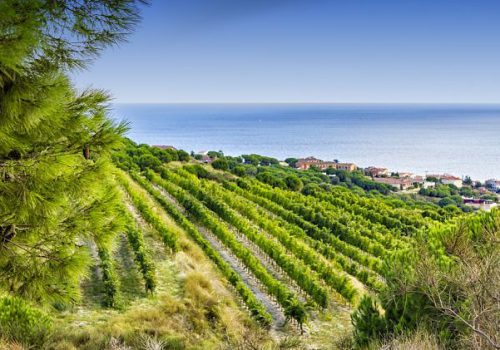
{"type": "Point", "coordinates": [239, 170]}
{"type": "Point", "coordinates": [367, 321]}
{"type": "Point", "coordinates": [221, 164]}
{"type": "Point", "coordinates": [294, 183]}
{"type": "Point", "coordinates": [22, 323]}
{"type": "Point", "coordinates": [183, 156]}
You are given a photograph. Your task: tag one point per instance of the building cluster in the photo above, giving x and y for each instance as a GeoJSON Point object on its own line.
{"type": "Point", "coordinates": [406, 180]}
{"type": "Point", "coordinates": [376, 172]}
{"type": "Point", "coordinates": [400, 181]}
{"type": "Point", "coordinates": [306, 163]}
{"type": "Point", "coordinates": [447, 179]}
{"type": "Point", "coordinates": [493, 185]}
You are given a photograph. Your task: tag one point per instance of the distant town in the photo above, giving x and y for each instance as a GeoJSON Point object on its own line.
{"type": "Point", "coordinates": [464, 191]}
{"type": "Point", "coordinates": [406, 181]}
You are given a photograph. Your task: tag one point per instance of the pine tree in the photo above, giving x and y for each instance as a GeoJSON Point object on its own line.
{"type": "Point", "coordinates": [56, 192]}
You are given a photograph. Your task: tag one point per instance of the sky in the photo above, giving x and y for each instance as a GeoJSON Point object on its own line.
{"type": "Point", "coordinates": [306, 51]}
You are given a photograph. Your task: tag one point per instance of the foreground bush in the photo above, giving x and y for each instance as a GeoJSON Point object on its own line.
{"type": "Point", "coordinates": [448, 284]}
{"type": "Point", "coordinates": [19, 322]}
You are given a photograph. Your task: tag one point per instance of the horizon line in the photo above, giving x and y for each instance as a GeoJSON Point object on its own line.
{"type": "Point", "coordinates": [312, 103]}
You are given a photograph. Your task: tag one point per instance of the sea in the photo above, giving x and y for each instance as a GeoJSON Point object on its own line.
{"type": "Point", "coordinates": [463, 140]}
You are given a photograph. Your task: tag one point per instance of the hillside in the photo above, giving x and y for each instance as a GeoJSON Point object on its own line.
{"type": "Point", "coordinates": [209, 259]}
{"type": "Point", "coordinates": [106, 244]}
{"type": "Point", "coordinates": [288, 256]}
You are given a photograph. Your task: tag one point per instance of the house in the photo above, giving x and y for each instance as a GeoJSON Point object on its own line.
{"type": "Point", "coordinates": [206, 159]}
{"type": "Point", "coordinates": [447, 179]}
{"type": "Point", "coordinates": [417, 179]}
{"type": "Point", "coordinates": [203, 157]}
{"type": "Point", "coordinates": [451, 180]}
{"type": "Point", "coordinates": [345, 166]}
{"type": "Point", "coordinates": [376, 172]}
{"type": "Point", "coordinates": [306, 163]}
{"type": "Point", "coordinates": [483, 190]}
{"type": "Point", "coordinates": [482, 204]}
{"type": "Point", "coordinates": [428, 184]}
{"type": "Point", "coordinates": [493, 184]}
{"type": "Point", "coordinates": [405, 174]}
{"type": "Point", "coordinates": [399, 184]}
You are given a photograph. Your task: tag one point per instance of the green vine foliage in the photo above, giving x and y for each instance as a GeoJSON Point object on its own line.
{"type": "Point", "coordinates": [304, 277]}
{"type": "Point", "coordinates": [110, 281]}
{"type": "Point", "coordinates": [169, 237]}
{"type": "Point", "coordinates": [277, 289]}
{"type": "Point", "coordinates": [256, 308]}
{"type": "Point", "coordinates": [142, 257]}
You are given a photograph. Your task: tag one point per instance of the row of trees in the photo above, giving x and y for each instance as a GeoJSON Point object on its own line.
{"type": "Point", "coordinates": [341, 230]}
{"type": "Point", "coordinates": [395, 211]}
{"type": "Point", "coordinates": [284, 296]}
{"type": "Point", "coordinates": [297, 241]}
{"type": "Point", "coordinates": [297, 271]}
{"type": "Point", "coordinates": [343, 214]}
{"type": "Point", "coordinates": [111, 284]}
{"type": "Point", "coordinates": [313, 231]}
{"type": "Point", "coordinates": [357, 179]}
{"type": "Point", "coordinates": [142, 257]}
{"type": "Point", "coordinates": [169, 237]}
{"type": "Point", "coordinates": [141, 157]}
{"type": "Point", "coordinates": [256, 308]}
{"type": "Point", "coordinates": [379, 214]}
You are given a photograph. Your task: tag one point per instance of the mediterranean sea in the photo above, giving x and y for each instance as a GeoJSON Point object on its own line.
{"type": "Point", "coordinates": [457, 139]}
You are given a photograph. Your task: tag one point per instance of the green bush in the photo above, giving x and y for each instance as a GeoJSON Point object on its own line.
{"type": "Point", "coordinates": [22, 323]}
{"type": "Point", "coordinates": [368, 322]}
{"type": "Point", "coordinates": [221, 164]}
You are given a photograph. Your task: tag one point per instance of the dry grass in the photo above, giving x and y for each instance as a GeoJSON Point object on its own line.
{"type": "Point", "coordinates": [201, 318]}
{"type": "Point", "coordinates": [7, 345]}
{"type": "Point", "coordinates": [418, 341]}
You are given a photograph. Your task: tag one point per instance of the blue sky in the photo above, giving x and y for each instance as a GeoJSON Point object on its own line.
{"type": "Point", "coordinates": [335, 51]}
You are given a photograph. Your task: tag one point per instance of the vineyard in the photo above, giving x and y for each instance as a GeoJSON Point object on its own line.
{"type": "Point", "coordinates": [197, 256]}
{"type": "Point", "coordinates": [287, 255]}
{"type": "Point", "coordinates": [108, 244]}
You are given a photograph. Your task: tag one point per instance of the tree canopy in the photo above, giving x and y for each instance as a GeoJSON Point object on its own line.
{"type": "Point", "coordinates": [55, 143]}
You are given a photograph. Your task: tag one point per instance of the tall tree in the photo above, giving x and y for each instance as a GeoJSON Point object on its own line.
{"type": "Point", "coordinates": [55, 142]}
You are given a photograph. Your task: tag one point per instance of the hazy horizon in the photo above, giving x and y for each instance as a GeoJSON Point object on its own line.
{"type": "Point", "coordinates": [457, 139]}
{"type": "Point", "coordinates": [313, 103]}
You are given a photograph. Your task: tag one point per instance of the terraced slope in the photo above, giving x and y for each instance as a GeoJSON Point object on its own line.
{"type": "Point", "coordinates": [287, 255]}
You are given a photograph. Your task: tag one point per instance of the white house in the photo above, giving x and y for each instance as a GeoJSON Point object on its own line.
{"type": "Point", "coordinates": [493, 184]}
{"type": "Point", "coordinates": [451, 180]}
{"type": "Point", "coordinates": [428, 184]}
